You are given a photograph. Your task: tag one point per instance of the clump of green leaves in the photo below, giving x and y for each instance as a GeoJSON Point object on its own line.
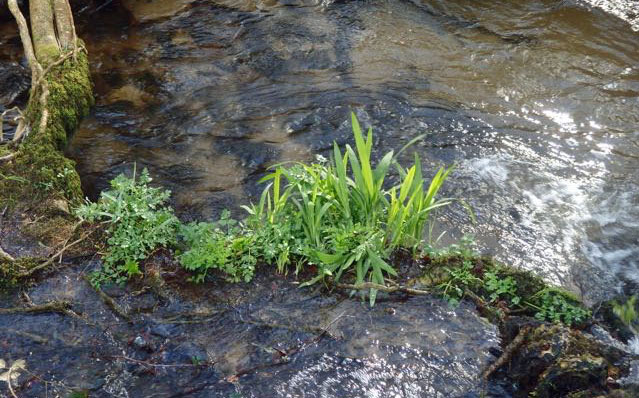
{"type": "Point", "coordinates": [556, 305]}
{"type": "Point", "coordinates": [219, 245]}
{"type": "Point", "coordinates": [464, 249]}
{"type": "Point", "coordinates": [459, 280]}
{"type": "Point", "coordinates": [339, 216]}
{"type": "Point", "coordinates": [501, 288]}
{"type": "Point", "coordinates": [137, 222]}
{"type": "Point", "coordinates": [276, 225]}
{"type": "Point", "coordinates": [465, 273]}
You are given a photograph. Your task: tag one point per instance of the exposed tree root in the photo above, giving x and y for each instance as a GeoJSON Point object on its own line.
{"type": "Point", "coordinates": [510, 350]}
{"type": "Point", "coordinates": [51, 260]}
{"type": "Point", "coordinates": [25, 37]}
{"type": "Point", "coordinates": [63, 17]}
{"type": "Point", "coordinates": [60, 97]}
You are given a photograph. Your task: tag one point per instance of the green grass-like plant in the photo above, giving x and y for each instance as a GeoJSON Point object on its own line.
{"type": "Point", "coordinates": [340, 216]}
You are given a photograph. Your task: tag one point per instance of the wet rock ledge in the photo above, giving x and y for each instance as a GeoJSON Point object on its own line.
{"type": "Point", "coordinates": [269, 338]}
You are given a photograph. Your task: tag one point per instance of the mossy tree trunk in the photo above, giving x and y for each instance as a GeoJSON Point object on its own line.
{"type": "Point", "coordinates": [61, 95]}
{"type": "Point", "coordinates": [36, 180]}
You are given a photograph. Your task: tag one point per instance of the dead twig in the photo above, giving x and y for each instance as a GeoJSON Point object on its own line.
{"type": "Point", "coordinates": [75, 227]}
{"type": "Point", "coordinates": [20, 118]}
{"type": "Point", "coordinates": [21, 130]}
{"type": "Point", "coordinates": [508, 353]}
{"type": "Point", "coordinates": [479, 302]}
{"type": "Point", "coordinates": [331, 323]}
{"type": "Point", "coordinates": [13, 394]}
{"type": "Point", "coordinates": [203, 318]}
{"type": "Point", "coordinates": [162, 365]}
{"type": "Point", "coordinates": [109, 302]}
{"type": "Point", "coordinates": [383, 288]}
{"type": "Point", "coordinates": [61, 307]}
{"type": "Point", "coordinates": [8, 157]}
{"type": "Point", "coordinates": [46, 382]}
{"type": "Point", "coordinates": [38, 339]}
{"type": "Point", "coordinates": [68, 311]}
{"type": "Point", "coordinates": [56, 255]}
{"type": "Point", "coordinates": [494, 313]}
{"type": "Point", "coordinates": [285, 355]}
{"type": "Point", "coordinates": [319, 330]}
{"type": "Point", "coordinates": [273, 325]}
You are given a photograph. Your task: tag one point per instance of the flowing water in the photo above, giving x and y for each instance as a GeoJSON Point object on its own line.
{"type": "Point", "coordinates": [535, 101]}
{"type": "Point", "coordinates": [264, 339]}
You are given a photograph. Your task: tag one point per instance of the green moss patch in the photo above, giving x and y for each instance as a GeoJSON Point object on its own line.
{"type": "Point", "coordinates": [10, 271]}
{"type": "Point", "coordinates": [40, 171]}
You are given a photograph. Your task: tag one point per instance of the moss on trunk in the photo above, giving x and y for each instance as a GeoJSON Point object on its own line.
{"type": "Point", "coordinates": [39, 184]}
{"type": "Point", "coordinates": [40, 172]}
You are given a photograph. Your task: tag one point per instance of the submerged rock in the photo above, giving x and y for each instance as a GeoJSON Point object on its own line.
{"type": "Point", "coordinates": [150, 10]}
{"type": "Point", "coordinates": [266, 339]}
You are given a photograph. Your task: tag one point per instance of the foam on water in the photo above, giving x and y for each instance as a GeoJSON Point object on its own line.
{"type": "Point", "coordinates": [628, 10]}
{"type": "Point", "coordinates": [564, 221]}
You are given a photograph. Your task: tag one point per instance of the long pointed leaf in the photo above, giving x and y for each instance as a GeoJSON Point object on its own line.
{"type": "Point", "coordinates": [382, 169]}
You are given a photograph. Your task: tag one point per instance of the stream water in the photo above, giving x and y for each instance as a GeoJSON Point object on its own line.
{"type": "Point", "coordinates": [535, 101]}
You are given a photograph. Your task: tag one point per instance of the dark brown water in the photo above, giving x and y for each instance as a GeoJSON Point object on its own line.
{"type": "Point", "coordinates": [536, 101]}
